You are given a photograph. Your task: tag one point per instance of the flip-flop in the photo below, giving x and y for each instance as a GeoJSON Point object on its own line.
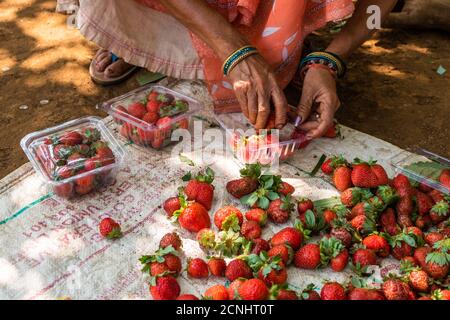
{"type": "Point", "coordinates": [100, 77]}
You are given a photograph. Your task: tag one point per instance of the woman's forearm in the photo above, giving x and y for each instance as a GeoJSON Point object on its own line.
{"type": "Point", "coordinates": [356, 30]}
{"type": "Point", "coordinates": [207, 24]}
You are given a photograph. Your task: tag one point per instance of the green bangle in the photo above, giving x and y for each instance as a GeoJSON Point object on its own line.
{"type": "Point", "coordinates": [236, 57]}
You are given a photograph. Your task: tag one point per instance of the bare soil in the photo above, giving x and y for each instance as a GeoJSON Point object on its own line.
{"type": "Point", "coordinates": [392, 90]}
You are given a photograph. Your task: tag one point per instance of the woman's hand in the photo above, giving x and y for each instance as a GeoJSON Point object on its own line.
{"type": "Point", "coordinates": [318, 103]}
{"type": "Point", "coordinates": [256, 86]}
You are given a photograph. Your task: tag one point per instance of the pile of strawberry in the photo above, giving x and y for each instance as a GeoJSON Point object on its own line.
{"type": "Point", "coordinates": [74, 153]}
{"type": "Point", "coordinates": [256, 268]}
{"type": "Point", "coordinates": [151, 122]}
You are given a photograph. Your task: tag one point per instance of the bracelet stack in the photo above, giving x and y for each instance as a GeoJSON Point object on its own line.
{"type": "Point", "coordinates": [327, 59]}
{"type": "Point", "coordinates": [236, 57]}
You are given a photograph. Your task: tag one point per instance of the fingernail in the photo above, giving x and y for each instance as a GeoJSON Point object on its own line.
{"type": "Point", "coordinates": [280, 126]}
{"type": "Point", "coordinates": [298, 121]}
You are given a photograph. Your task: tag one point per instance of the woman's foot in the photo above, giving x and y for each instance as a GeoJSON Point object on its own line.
{"type": "Point", "coordinates": [106, 69]}
{"type": "Point", "coordinates": [112, 69]}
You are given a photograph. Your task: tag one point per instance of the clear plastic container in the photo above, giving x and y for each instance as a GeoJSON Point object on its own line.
{"type": "Point", "coordinates": [148, 115]}
{"type": "Point", "coordinates": [76, 157]}
{"type": "Point", "coordinates": [266, 147]}
{"type": "Point", "coordinates": [423, 167]}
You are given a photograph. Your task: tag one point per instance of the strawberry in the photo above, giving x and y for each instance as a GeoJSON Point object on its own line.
{"type": "Point", "coordinates": [206, 238]}
{"type": "Point", "coordinates": [110, 229]}
{"type": "Point", "coordinates": [342, 178]}
{"type": "Point", "coordinates": [164, 259]}
{"type": "Point", "coordinates": [248, 182]}
{"type": "Point", "coordinates": [285, 189]}
{"type": "Point", "coordinates": [258, 215]}
{"type": "Point", "coordinates": [91, 134]}
{"type": "Point", "coordinates": [238, 268]}
{"type": "Point", "coordinates": [365, 294]}
{"type": "Point", "coordinates": [432, 237]}
{"type": "Point", "coordinates": [153, 96]}
{"type": "Point", "coordinates": [364, 257]}
{"type": "Point", "coordinates": [283, 294]}
{"type": "Point", "coordinates": [419, 280]}
{"type": "Point", "coordinates": [333, 291]}
{"type": "Point", "coordinates": [303, 205]}
{"type": "Point", "coordinates": [444, 178]}
{"type": "Point", "coordinates": [193, 217]}
{"type": "Point", "coordinates": [253, 289]}
{"type": "Point", "coordinates": [404, 208]}
{"type": "Point", "coordinates": [228, 217]}
{"type": "Point", "coordinates": [339, 262]}
{"type": "Point", "coordinates": [273, 272]}
{"type": "Point", "coordinates": [64, 190]}
{"type": "Point", "coordinates": [436, 196]}
{"type": "Point", "coordinates": [158, 269]}
{"type": "Point", "coordinates": [423, 222]}
{"type": "Point", "coordinates": [170, 239]}
{"type": "Point", "coordinates": [71, 138]}
{"type": "Point", "coordinates": [200, 189]}
{"type": "Point", "coordinates": [308, 256]}
{"type": "Point", "coordinates": [402, 184]}
{"type": "Point", "coordinates": [424, 187]}
{"type": "Point", "coordinates": [250, 230]}
{"type": "Point", "coordinates": [289, 235]}
{"type": "Point", "coordinates": [424, 203]}
{"type": "Point", "coordinates": [259, 245]}
{"type": "Point", "coordinates": [395, 289]}
{"type": "Point", "coordinates": [327, 167]}
{"type": "Point", "coordinates": [165, 288]}
{"type": "Point", "coordinates": [153, 106]}
{"type": "Point", "coordinates": [332, 163]}
{"type": "Point", "coordinates": [440, 211]}
{"type": "Point", "coordinates": [217, 266]}
{"type": "Point", "coordinates": [187, 297]}
{"type": "Point", "coordinates": [233, 293]}
{"type": "Point", "coordinates": [137, 110]}
{"type": "Point", "coordinates": [197, 268]}
{"type": "Point", "coordinates": [420, 255]}
{"type": "Point", "coordinates": [342, 234]}
{"type": "Point", "coordinates": [352, 196]}
{"type": "Point", "coordinates": [387, 195]}
{"type": "Point", "coordinates": [310, 293]}
{"type": "Point", "coordinates": [280, 209]}
{"type": "Point", "coordinates": [402, 244]}
{"type": "Point", "coordinates": [378, 244]}
{"type": "Point", "coordinates": [437, 264]}
{"type": "Point", "coordinates": [171, 205]}
{"type": "Point", "coordinates": [388, 222]}
{"type": "Point", "coordinates": [441, 294]}
{"type": "Point", "coordinates": [285, 252]}
{"type": "Point", "coordinates": [217, 292]}
{"type": "Point", "coordinates": [368, 174]}
{"type": "Point", "coordinates": [333, 131]}
{"type": "Point", "coordinates": [151, 117]}
{"type": "Point", "coordinates": [329, 215]}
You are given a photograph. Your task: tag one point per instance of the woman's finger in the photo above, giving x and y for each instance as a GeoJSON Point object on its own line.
{"type": "Point", "coordinates": [281, 107]}
{"type": "Point", "coordinates": [240, 90]}
{"type": "Point", "coordinates": [305, 105]}
{"type": "Point", "coordinates": [263, 109]}
{"type": "Point", "coordinates": [326, 111]}
{"type": "Point", "coordinates": [252, 98]}
{"type": "Point", "coordinates": [309, 126]}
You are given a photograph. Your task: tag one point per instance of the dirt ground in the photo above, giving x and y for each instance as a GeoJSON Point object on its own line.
{"type": "Point", "coordinates": [392, 90]}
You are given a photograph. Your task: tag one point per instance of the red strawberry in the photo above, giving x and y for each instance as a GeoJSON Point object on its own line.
{"type": "Point", "coordinates": [250, 230]}
{"type": "Point", "coordinates": [71, 138]}
{"type": "Point", "coordinates": [217, 292]}
{"type": "Point", "coordinates": [285, 252]}
{"type": "Point", "coordinates": [110, 229]}
{"type": "Point", "coordinates": [197, 268]}
{"type": "Point", "coordinates": [258, 215]}
{"type": "Point", "coordinates": [419, 280]}
{"type": "Point", "coordinates": [276, 275]}
{"type": "Point", "coordinates": [327, 167]}
{"type": "Point", "coordinates": [333, 291]}
{"type": "Point", "coordinates": [284, 294]}
{"type": "Point", "coordinates": [242, 187]}
{"type": "Point", "coordinates": [238, 268]}
{"type": "Point", "coordinates": [151, 117]}
{"type": "Point", "coordinates": [332, 163]}
{"type": "Point", "coordinates": [187, 297]}
{"type": "Point", "coordinates": [289, 235]}
{"type": "Point", "coordinates": [308, 256]}
{"type": "Point", "coordinates": [378, 244]}
{"type": "Point", "coordinates": [63, 190]}
{"type": "Point", "coordinates": [444, 178]}
{"type": "Point", "coordinates": [420, 255]}
{"type": "Point", "coordinates": [423, 222]}
{"type": "Point", "coordinates": [228, 217]}
{"type": "Point", "coordinates": [163, 260]}
{"type": "Point", "coordinates": [285, 189]}
{"type": "Point", "coordinates": [388, 222]}
{"type": "Point", "coordinates": [342, 234]}
{"type": "Point", "coordinates": [137, 110]}
{"type": "Point", "coordinates": [159, 268]}
{"type": "Point", "coordinates": [395, 289]}
{"type": "Point", "coordinates": [432, 237]}
{"type": "Point", "coordinates": [259, 245]}
{"type": "Point", "coordinates": [304, 205]}
{"type": "Point", "coordinates": [364, 257]}
{"type": "Point", "coordinates": [436, 265]}
{"type": "Point", "coordinates": [206, 238]}
{"type": "Point", "coordinates": [339, 262]}
{"type": "Point", "coordinates": [365, 294]}
{"type": "Point", "coordinates": [436, 196]}
{"type": "Point", "coordinates": [153, 106]}
{"type": "Point", "coordinates": [333, 131]}
{"type": "Point", "coordinates": [440, 211]}
{"type": "Point", "coordinates": [329, 215]}
{"type": "Point", "coordinates": [253, 289]}
{"type": "Point", "coordinates": [194, 217]}
{"type": "Point", "coordinates": [402, 245]}
{"type": "Point", "coordinates": [404, 208]}
{"type": "Point", "coordinates": [200, 189]}
{"type": "Point", "coordinates": [170, 239]}
{"type": "Point", "coordinates": [368, 174]}
{"type": "Point", "coordinates": [217, 266]}
{"type": "Point", "coordinates": [424, 203]}
{"type": "Point", "coordinates": [234, 287]}
{"type": "Point", "coordinates": [342, 178]}
{"type": "Point", "coordinates": [165, 288]}
{"type": "Point", "coordinates": [309, 293]}
{"type": "Point", "coordinates": [280, 209]}
{"type": "Point", "coordinates": [403, 186]}
{"type": "Point", "coordinates": [171, 205]}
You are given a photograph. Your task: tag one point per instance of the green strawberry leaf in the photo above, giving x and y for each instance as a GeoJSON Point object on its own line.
{"type": "Point", "coordinates": [263, 203]}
